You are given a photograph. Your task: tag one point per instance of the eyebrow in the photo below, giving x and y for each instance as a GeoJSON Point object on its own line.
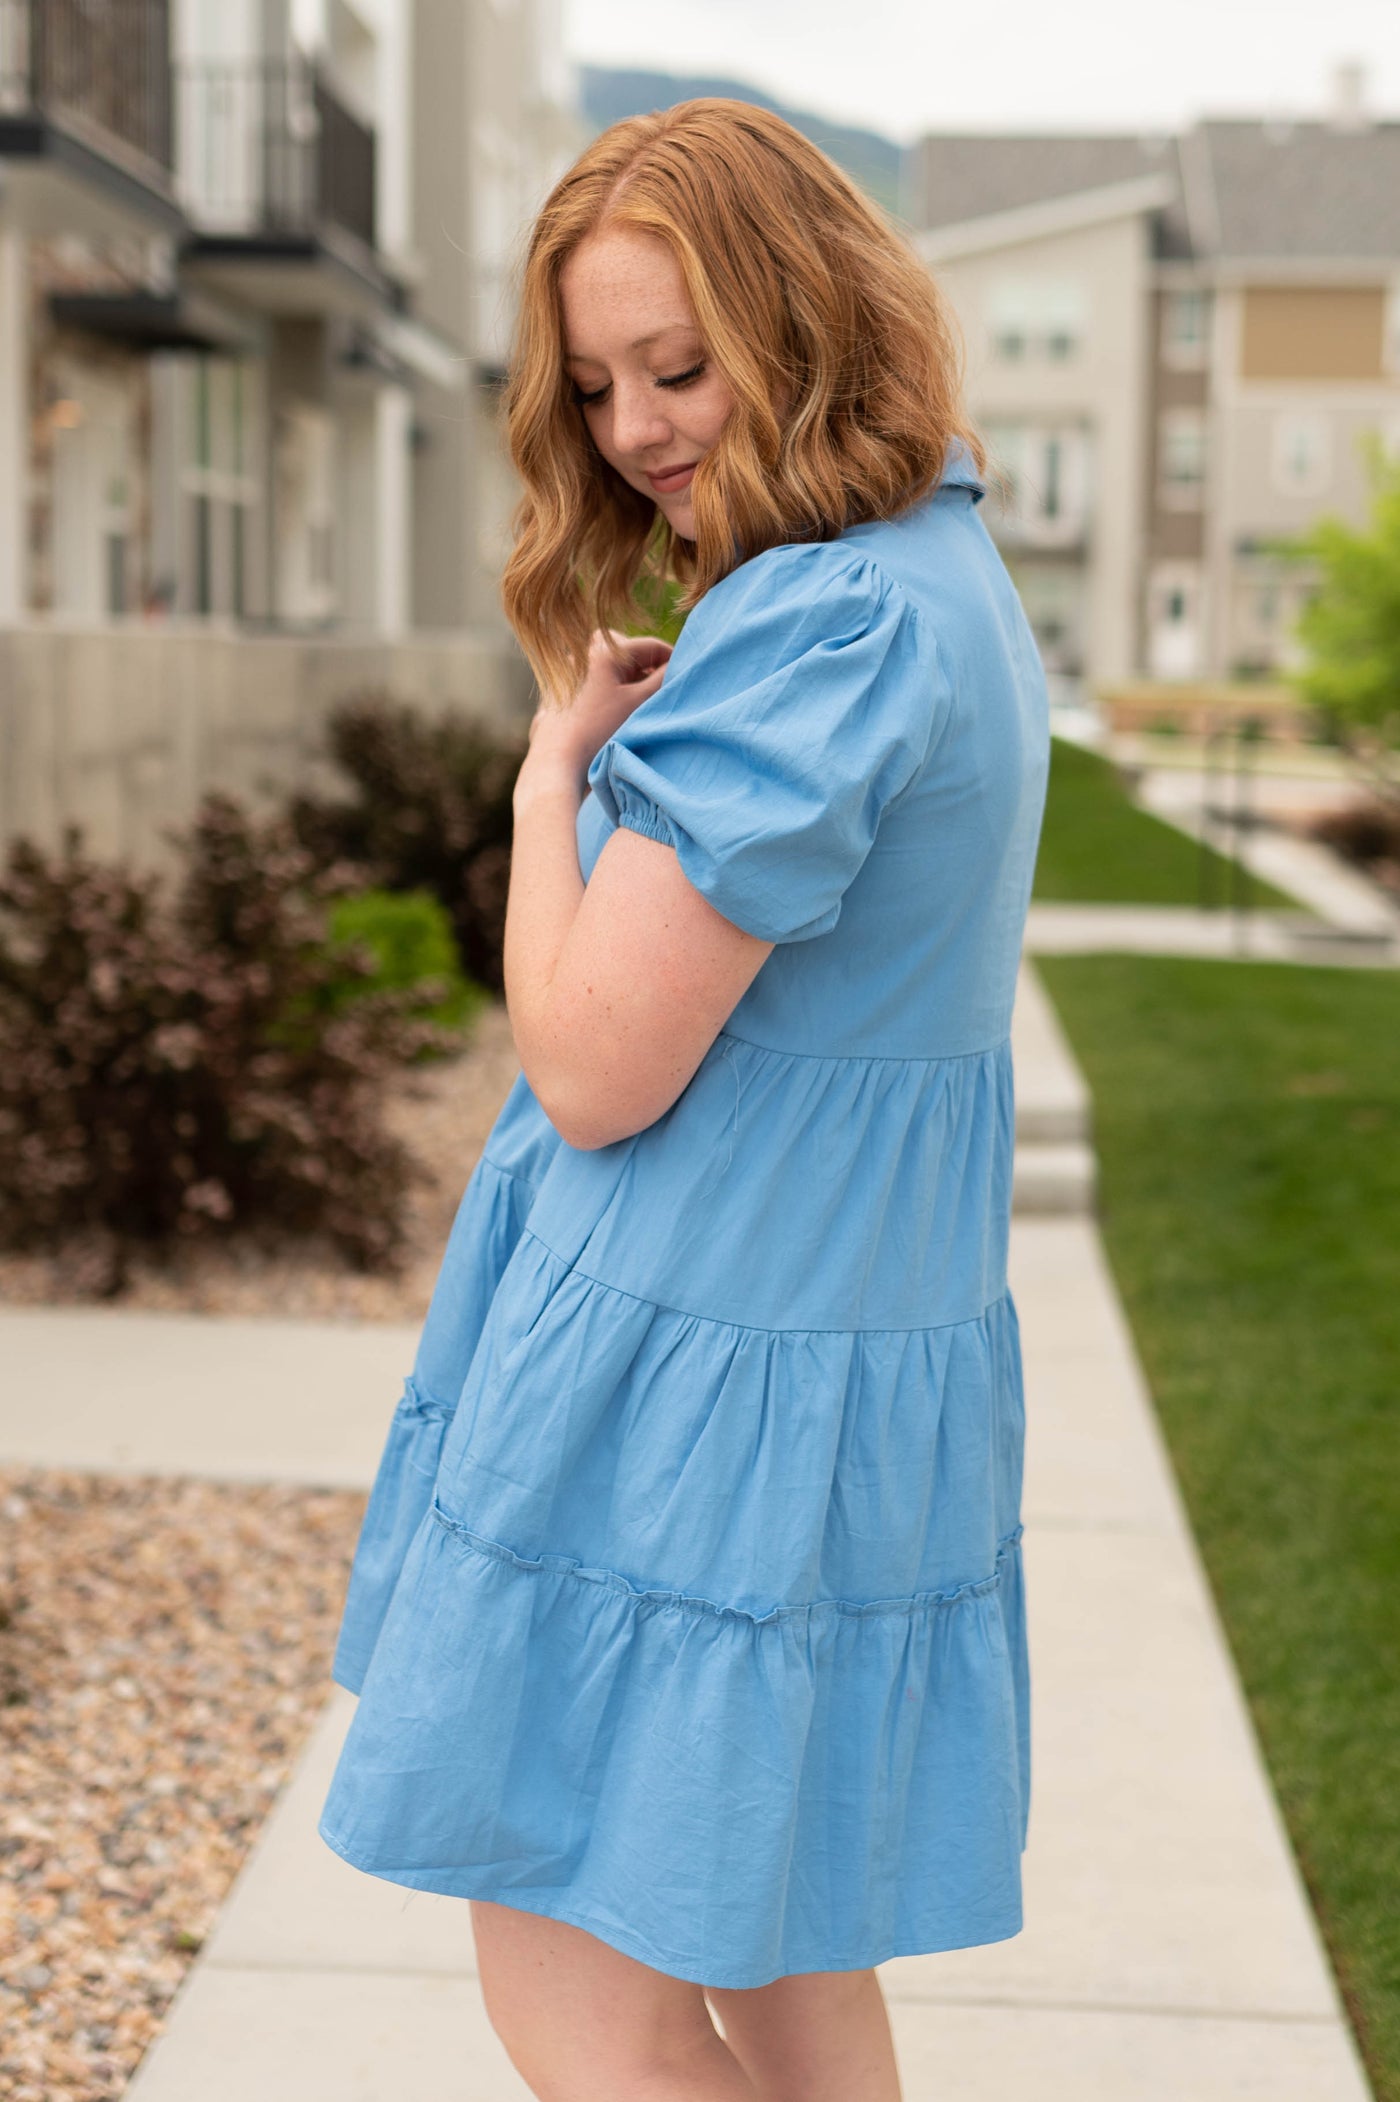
{"type": "Point", "coordinates": [674, 328]}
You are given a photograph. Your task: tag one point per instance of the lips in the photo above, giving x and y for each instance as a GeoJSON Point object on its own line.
{"type": "Point", "coordinates": [672, 479]}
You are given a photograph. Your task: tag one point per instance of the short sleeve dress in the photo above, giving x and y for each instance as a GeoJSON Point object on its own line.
{"type": "Point", "coordinates": [688, 1605]}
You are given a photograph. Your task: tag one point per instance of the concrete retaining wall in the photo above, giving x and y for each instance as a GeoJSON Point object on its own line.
{"type": "Point", "coordinates": [122, 730]}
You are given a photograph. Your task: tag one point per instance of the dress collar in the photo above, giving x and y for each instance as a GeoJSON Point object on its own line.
{"type": "Point", "coordinates": [960, 471]}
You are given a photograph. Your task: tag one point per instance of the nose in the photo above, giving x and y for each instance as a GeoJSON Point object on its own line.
{"type": "Point", "coordinates": [640, 419]}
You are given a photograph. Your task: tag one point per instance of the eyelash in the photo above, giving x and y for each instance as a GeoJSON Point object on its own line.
{"type": "Point", "coordinates": [675, 379]}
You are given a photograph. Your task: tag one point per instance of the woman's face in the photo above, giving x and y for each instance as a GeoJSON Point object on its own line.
{"type": "Point", "coordinates": [653, 403]}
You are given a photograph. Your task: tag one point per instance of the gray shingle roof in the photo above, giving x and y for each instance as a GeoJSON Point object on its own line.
{"type": "Point", "coordinates": [1304, 189]}
{"type": "Point", "coordinates": [1246, 188]}
{"type": "Point", "coordinates": [950, 178]}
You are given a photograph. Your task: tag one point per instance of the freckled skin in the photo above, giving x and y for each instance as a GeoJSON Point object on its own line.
{"type": "Point", "coordinates": [618, 289]}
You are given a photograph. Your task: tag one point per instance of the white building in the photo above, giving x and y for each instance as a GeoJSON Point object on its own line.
{"type": "Point", "coordinates": [253, 299]}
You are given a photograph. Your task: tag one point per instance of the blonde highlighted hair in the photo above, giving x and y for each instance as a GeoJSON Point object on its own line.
{"type": "Point", "coordinates": [803, 292]}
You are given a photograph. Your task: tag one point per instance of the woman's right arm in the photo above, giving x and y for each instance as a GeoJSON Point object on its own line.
{"type": "Point", "coordinates": [617, 989]}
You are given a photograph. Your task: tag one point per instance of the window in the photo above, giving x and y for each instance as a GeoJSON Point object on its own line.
{"type": "Point", "coordinates": [1053, 597]}
{"type": "Point", "coordinates": [1302, 456]}
{"type": "Point", "coordinates": [1043, 472]}
{"type": "Point", "coordinates": [1050, 504]}
{"type": "Point", "coordinates": [1040, 318]}
{"type": "Point", "coordinates": [1186, 319]}
{"type": "Point", "coordinates": [218, 486]}
{"type": "Point", "coordinates": [1182, 459]}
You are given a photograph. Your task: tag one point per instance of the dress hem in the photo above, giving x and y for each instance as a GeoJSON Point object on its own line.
{"type": "Point", "coordinates": [463, 1884]}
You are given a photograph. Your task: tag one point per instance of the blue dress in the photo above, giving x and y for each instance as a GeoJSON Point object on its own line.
{"type": "Point", "coordinates": [688, 1605]}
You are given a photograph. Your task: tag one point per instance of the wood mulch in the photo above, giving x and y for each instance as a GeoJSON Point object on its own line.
{"type": "Point", "coordinates": [442, 1112]}
{"type": "Point", "coordinates": [164, 1647]}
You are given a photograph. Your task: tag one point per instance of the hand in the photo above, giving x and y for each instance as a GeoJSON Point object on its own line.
{"type": "Point", "coordinates": [610, 691]}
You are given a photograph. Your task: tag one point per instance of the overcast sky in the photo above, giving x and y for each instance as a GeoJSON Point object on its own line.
{"type": "Point", "coordinates": [905, 66]}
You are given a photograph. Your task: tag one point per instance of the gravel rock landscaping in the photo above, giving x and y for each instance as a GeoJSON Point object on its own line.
{"type": "Point", "coordinates": [165, 1644]}
{"type": "Point", "coordinates": [164, 1647]}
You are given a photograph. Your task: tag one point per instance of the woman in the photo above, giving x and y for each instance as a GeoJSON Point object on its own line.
{"type": "Point", "coordinates": [688, 1615]}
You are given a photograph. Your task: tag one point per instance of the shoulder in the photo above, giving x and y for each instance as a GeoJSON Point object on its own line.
{"type": "Point", "coordinates": [838, 579]}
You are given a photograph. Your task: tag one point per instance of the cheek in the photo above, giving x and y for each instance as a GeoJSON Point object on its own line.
{"type": "Point", "coordinates": [598, 424]}
{"type": "Point", "coordinates": [712, 414]}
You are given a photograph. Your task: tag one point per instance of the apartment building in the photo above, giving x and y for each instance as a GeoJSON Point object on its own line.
{"type": "Point", "coordinates": [253, 296]}
{"type": "Point", "coordinates": [1177, 348]}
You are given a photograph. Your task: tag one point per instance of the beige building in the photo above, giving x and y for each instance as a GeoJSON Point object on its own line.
{"type": "Point", "coordinates": [1177, 349]}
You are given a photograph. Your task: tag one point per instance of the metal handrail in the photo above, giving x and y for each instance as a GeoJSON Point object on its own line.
{"type": "Point", "coordinates": [101, 69]}
{"type": "Point", "coordinates": [268, 146]}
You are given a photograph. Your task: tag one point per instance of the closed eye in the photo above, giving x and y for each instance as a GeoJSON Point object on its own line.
{"type": "Point", "coordinates": [671, 379]}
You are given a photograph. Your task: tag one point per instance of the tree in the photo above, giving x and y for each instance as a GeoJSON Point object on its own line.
{"type": "Point", "coordinates": [1350, 629]}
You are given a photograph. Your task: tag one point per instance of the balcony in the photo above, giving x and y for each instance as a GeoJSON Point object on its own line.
{"type": "Point", "coordinates": [86, 115]}
{"type": "Point", "coordinates": [278, 179]}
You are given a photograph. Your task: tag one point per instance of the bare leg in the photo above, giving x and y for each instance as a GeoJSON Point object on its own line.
{"type": "Point", "coordinates": [581, 2022]}
{"type": "Point", "coordinates": [817, 2036]}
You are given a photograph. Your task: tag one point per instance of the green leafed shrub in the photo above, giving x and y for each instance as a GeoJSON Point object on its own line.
{"type": "Point", "coordinates": [167, 1066]}
{"type": "Point", "coordinates": [408, 938]}
{"type": "Point", "coordinates": [431, 810]}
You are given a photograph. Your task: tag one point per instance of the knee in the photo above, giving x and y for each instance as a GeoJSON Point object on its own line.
{"type": "Point", "coordinates": [559, 2066]}
{"type": "Point", "coordinates": [580, 2022]}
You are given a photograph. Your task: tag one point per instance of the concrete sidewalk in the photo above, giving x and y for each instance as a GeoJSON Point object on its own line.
{"type": "Point", "coordinates": [1168, 1955]}
{"type": "Point", "coordinates": [1182, 930]}
{"type": "Point", "coordinates": [1320, 880]}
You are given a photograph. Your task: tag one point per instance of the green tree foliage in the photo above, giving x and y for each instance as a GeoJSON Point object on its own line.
{"type": "Point", "coordinates": [1350, 629]}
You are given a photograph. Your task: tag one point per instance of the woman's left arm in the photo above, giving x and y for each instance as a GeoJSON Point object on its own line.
{"type": "Point", "coordinates": [615, 989]}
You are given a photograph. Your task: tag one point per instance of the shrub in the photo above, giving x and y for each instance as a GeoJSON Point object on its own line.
{"type": "Point", "coordinates": [166, 1066]}
{"type": "Point", "coordinates": [1366, 832]}
{"type": "Point", "coordinates": [432, 811]}
{"type": "Point", "coordinates": [407, 938]}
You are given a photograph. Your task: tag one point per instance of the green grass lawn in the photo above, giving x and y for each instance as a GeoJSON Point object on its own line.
{"type": "Point", "coordinates": [1248, 1121]}
{"type": "Point", "coordinates": [1098, 847]}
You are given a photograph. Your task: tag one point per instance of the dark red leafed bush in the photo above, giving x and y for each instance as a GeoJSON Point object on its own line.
{"type": "Point", "coordinates": [1366, 832]}
{"type": "Point", "coordinates": [167, 1064]}
{"type": "Point", "coordinates": [431, 811]}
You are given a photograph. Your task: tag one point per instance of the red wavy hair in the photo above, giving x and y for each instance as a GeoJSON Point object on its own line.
{"type": "Point", "coordinates": [803, 291]}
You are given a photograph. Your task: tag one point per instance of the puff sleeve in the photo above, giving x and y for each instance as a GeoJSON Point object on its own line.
{"type": "Point", "coordinates": [802, 697]}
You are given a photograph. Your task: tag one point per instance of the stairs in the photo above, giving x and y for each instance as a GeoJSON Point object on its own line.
{"type": "Point", "coordinates": [1056, 1173]}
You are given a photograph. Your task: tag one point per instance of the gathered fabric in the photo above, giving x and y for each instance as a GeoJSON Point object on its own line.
{"type": "Point", "coordinates": [689, 1605]}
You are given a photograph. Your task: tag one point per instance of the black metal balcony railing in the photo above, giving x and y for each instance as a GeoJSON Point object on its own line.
{"type": "Point", "coordinates": [100, 65]}
{"type": "Point", "coordinates": [268, 147]}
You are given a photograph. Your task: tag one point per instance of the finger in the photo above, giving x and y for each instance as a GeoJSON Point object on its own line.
{"type": "Point", "coordinates": [647, 649]}
{"type": "Point", "coordinates": [654, 656]}
{"type": "Point", "coordinates": [641, 689]}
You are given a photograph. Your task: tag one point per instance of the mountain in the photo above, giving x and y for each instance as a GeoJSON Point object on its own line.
{"type": "Point", "coordinates": [608, 93]}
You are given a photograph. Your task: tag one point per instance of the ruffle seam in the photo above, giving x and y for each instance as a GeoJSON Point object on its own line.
{"type": "Point", "coordinates": [417, 1402]}
{"type": "Point", "coordinates": [613, 1580]}
{"type": "Point", "coordinates": [870, 1058]}
{"type": "Point", "coordinates": [685, 1313]}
